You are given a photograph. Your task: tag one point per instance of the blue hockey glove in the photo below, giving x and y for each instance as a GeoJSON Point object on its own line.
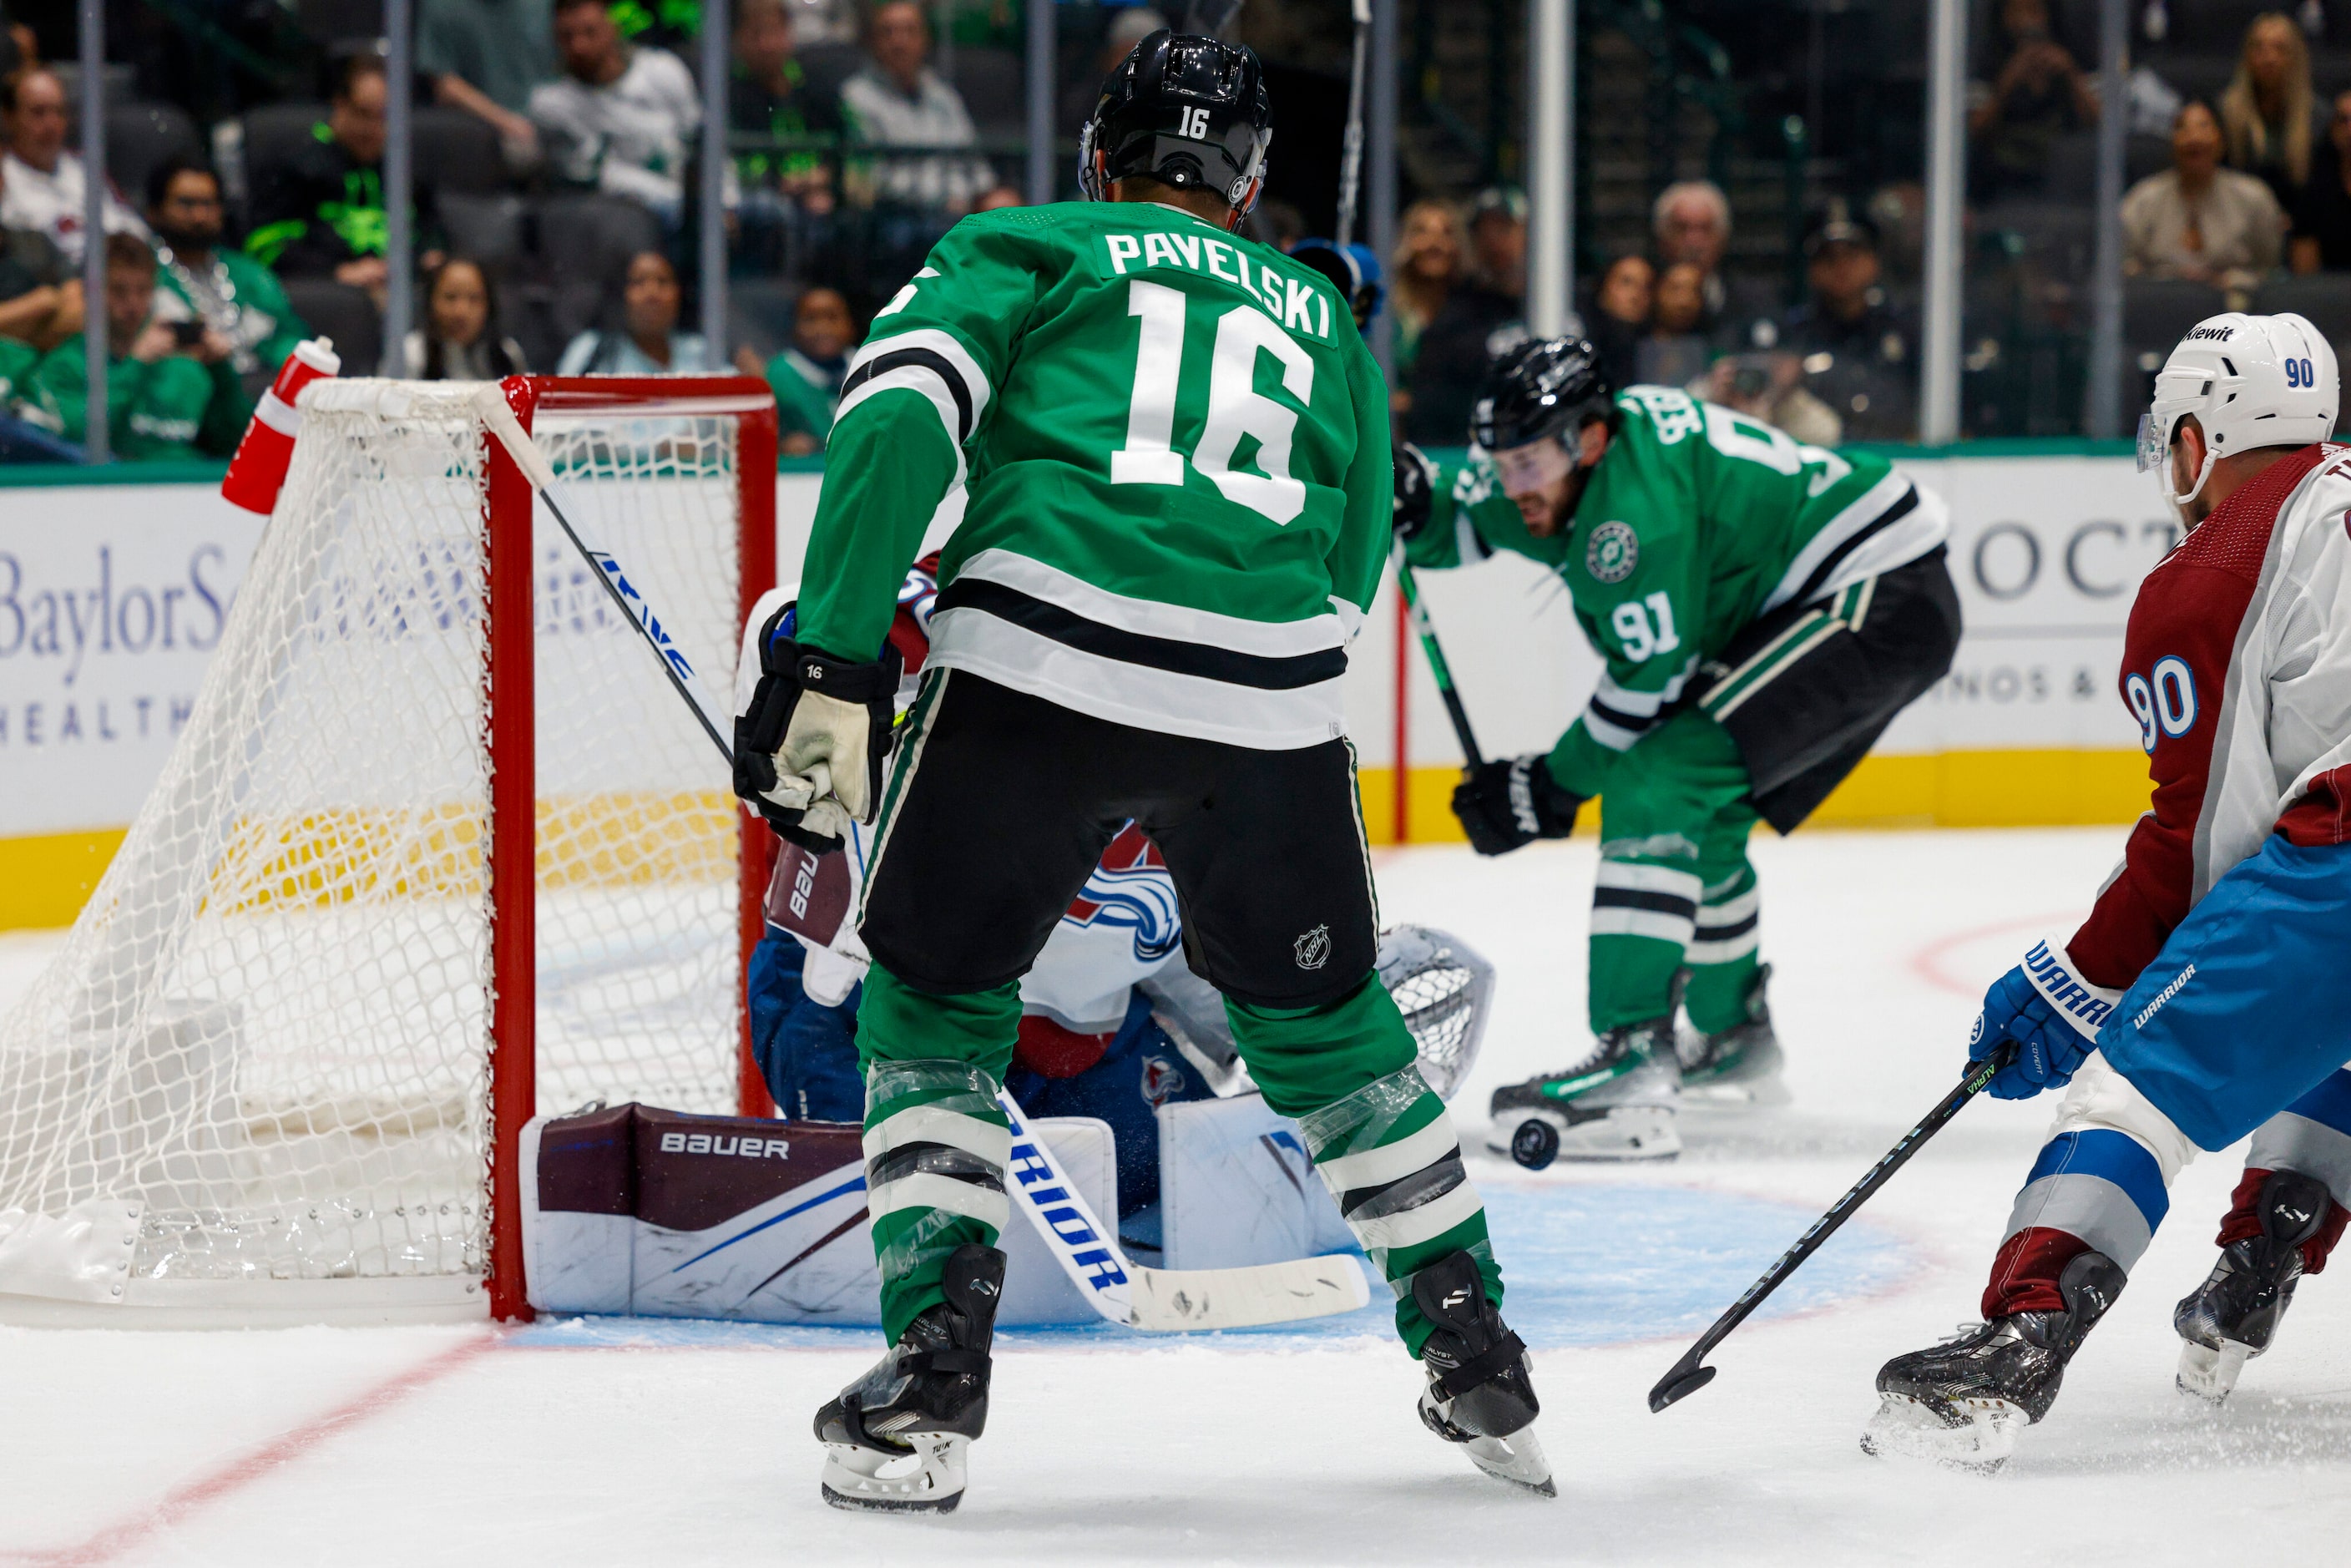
{"type": "Point", "coordinates": [2050, 1012]}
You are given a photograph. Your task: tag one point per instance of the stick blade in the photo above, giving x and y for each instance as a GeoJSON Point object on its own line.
{"type": "Point", "coordinates": [1679, 1383]}
{"type": "Point", "coordinates": [1179, 1300]}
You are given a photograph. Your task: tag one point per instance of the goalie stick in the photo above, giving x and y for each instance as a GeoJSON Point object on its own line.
{"type": "Point", "coordinates": [1165, 1301]}
{"type": "Point", "coordinates": [1688, 1376]}
{"type": "Point", "coordinates": [1159, 1300]}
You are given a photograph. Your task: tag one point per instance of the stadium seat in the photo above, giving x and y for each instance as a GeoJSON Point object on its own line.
{"type": "Point", "coordinates": [2323, 297]}
{"type": "Point", "coordinates": [140, 137]}
{"type": "Point", "coordinates": [455, 151]}
{"type": "Point", "coordinates": [488, 229]}
{"type": "Point", "coordinates": [347, 314]}
{"type": "Point", "coordinates": [583, 250]}
{"type": "Point", "coordinates": [992, 84]}
{"type": "Point", "coordinates": [274, 134]}
{"type": "Point", "coordinates": [2157, 312]}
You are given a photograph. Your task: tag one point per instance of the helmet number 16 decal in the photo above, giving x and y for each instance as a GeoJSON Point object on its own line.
{"type": "Point", "coordinates": [1235, 408]}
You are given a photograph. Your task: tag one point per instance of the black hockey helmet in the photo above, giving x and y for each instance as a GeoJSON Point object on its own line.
{"type": "Point", "coordinates": [1186, 110]}
{"type": "Point", "coordinates": [1545, 386]}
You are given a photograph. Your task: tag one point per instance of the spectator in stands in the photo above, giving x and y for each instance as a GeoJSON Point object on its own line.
{"type": "Point", "coordinates": [1483, 314]}
{"type": "Point", "coordinates": [1675, 352]}
{"type": "Point", "coordinates": [1857, 352]}
{"type": "Point", "coordinates": [651, 345]}
{"type": "Point", "coordinates": [2322, 223]}
{"type": "Point", "coordinates": [40, 298]}
{"type": "Point", "coordinates": [170, 390]}
{"type": "Point", "coordinates": [807, 375]}
{"type": "Point", "coordinates": [1620, 315]}
{"type": "Point", "coordinates": [622, 118]}
{"type": "Point", "coordinates": [995, 198]}
{"type": "Point", "coordinates": [459, 340]}
{"type": "Point", "coordinates": [29, 420]}
{"type": "Point", "coordinates": [203, 280]}
{"type": "Point", "coordinates": [321, 213]}
{"type": "Point", "coordinates": [896, 99]}
{"type": "Point", "coordinates": [43, 181]}
{"type": "Point", "coordinates": [1498, 241]}
{"type": "Point", "coordinates": [769, 97]}
{"type": "Point", "coordinates": [1424, 271]}
{"type": "Point", "coordinates": [2040, 94]}
{"type": "Point", "coordinates": [2267, 111]}
{"type": "Point", "coordinates": [484, 56]}
{"type": "Point", "coordinates": [1691, 222]}
{"type": "Point", "coordinates": [2197, 220]}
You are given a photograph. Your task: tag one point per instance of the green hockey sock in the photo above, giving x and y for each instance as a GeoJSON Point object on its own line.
{"type": "Point", "coordinates": [936, 1140]}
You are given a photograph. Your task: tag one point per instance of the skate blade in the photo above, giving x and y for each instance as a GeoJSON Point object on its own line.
{"type": "Point", "coordinates": [1736, 1095]}
{"type": "Point", "coordinates": [2207, 1374]}
{"type": "Point", "coordinates": [931, 1480]}
{"type": "Point", "coordinates": [1904, 1429]}
{"type": "Point", "coordinates": [1517, 1458]}
{"type": "Point", "coordinates": [1626, 1133]}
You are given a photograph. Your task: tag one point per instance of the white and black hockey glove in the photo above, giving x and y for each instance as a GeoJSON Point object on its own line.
{"type": "Point", "coordinates": [1416, 492]}
{"type": "Point", "coordinates": [811, 747]}
{"type": "Point", "coordinates": [1512, 801]}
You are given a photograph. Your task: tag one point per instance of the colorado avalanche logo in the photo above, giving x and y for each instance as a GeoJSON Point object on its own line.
{"type": "Point", "coordinates": [1130, 890]}
{"type": "Point", "coordinates": [1162, 1080]}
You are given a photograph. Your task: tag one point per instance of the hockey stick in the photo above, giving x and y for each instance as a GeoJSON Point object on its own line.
{"type": "Point", "coordinates": [1437, 664]}
{"type": "Point", "coordinates": [1688, 1375]}
{"type": "Point", "coordinates": [491, 405]}
{"type": "Point", "coordinates": [1165, 1301]}
{"type": "Point", "coordinates": [1351, 159]}
{"type": "Point", "coordinates": [1161, 1299]}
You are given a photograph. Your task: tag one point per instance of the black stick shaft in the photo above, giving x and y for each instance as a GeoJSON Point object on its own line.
{"type": "Point", "coordinates": [1437, 667]}
{"type": "Point", "coordinates": [1687, 1375]}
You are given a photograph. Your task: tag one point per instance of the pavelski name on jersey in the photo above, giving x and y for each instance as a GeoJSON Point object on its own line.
{"type": "Point", "coordinates": [1290, 300]}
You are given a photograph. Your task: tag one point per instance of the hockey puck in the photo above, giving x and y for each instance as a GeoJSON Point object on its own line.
{"type": "Point", "coordinates": [1535, 1145]}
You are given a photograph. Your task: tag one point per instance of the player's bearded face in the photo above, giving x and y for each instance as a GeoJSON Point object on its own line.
{"type": "Point", "coordinates": [1538, 476]}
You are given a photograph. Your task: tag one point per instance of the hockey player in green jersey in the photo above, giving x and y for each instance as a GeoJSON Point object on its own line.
{"type": "Point", "coordinates": [1763, 609]}
{"type": "Point", "coordinates": [1174, 448]}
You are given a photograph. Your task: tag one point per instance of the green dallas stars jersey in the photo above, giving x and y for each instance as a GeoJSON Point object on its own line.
{"type": "Point", "coordinates": [1697, 521]}
{"type": "Point", "coordinates": [1176, 454]}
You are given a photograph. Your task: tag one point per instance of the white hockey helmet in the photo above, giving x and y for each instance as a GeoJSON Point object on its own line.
{"type": "Point", "coordinates": [2250, 382]}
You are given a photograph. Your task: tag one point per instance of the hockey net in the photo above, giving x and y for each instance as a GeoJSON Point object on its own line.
{"type": "Point", "coordinates": [438, 846]}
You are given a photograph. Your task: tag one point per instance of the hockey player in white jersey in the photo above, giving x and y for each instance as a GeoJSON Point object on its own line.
{"type": "Point", "coordinates": [2208, 995]}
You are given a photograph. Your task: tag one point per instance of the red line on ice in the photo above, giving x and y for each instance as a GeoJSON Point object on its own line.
{"type": "Point", "coordinates": [184, 1502]}
{"type": "Point", "coordinates": [1926, 963]}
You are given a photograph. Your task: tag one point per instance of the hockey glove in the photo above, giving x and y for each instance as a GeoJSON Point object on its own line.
{"type": "Point", "coordinates": [1416, 492]}
{"type": "Point", "coordinates": [2050, 1012]}
{"type": "Point", "coordinates": [810, 746]}
{"type": "Point", "coordinates": [1510, 802]}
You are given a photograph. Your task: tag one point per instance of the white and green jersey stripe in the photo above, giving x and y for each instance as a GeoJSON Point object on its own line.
{"type": "Point", "coordinates": [1174, 446]}
{"type": "Point", "coordinates": [1697, 521]}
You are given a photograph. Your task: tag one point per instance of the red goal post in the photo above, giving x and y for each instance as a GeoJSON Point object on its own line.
{"type": "Point", "coordinates": [508, 524]}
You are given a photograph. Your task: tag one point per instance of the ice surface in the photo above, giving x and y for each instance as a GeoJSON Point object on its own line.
{"type": "Point", "coordinates": [631, 1442]}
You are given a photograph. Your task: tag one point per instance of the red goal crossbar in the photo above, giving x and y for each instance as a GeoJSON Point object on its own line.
{"type": "Point", "coordinates": [507, 509]}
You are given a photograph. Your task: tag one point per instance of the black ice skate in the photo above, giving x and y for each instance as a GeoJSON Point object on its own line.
{"type": "Point", "coordinates": [1963, 1402]}
{"type": "Point", "coordinates": [1479, 1393]}
{"type": "Point", "coordinates": [2235, 1312]}
{"type": "Point", "coordinates": [1739, 1065]}
{"type": "Point", "coordinates": [1615, 1104]}
{"type": "Point", "coordinates": [896, 1439]}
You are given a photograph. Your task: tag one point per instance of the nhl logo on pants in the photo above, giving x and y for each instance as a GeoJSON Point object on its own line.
{"type": "Point", "coordinates": [1313, 949]}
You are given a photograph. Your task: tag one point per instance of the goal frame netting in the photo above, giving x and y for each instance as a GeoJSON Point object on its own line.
{"type": "Point", "coordinates": [515, 852]}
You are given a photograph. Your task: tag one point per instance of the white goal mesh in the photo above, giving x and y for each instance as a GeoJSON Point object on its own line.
{"type": "Point", "coordinates": [264, 1053]}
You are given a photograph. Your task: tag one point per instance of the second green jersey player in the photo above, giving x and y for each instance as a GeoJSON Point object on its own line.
{"type": "Point", "coordinates": [1763, 608]}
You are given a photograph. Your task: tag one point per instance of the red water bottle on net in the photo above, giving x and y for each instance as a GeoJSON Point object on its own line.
{"type": "Point", "coordinates": [257, 472]}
